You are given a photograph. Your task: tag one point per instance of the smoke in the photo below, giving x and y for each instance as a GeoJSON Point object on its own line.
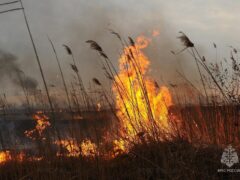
{"type": "Point", "coordinates": [91, 20]}
{"type": "Point", "coordinates": [163, 62]}
{"type": "Point", "coordinates": [9, 68]}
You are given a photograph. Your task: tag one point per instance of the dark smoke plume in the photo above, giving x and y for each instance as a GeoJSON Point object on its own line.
{"type": "Point", "coordinates": [9, 67]}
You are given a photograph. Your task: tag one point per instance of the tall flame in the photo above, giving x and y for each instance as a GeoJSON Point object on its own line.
{"type": "Point", "coordinates": [142, 105]}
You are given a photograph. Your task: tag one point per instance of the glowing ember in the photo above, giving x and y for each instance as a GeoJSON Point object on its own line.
{"type": "Point", "coordinates": [119, 146]}
{"type": "Point", "coordinates": [99, 106]}
{"type": "Point", "coordinates": [34, 158]}
{"type": "Point", "coordinates": [72, 148]}
{"type": "Point", "coordinates": [42, 123]}
{"type": "Point", "coordinates": [5, 156]}
{"type": "Point", "coordinates": [86, 148]}
{"type": "Point", "coordinates": [20, 157]}
{"type": "Point", "coordinates": [142, 105]}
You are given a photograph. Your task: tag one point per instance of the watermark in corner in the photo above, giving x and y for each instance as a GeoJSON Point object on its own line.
{"type": "Point", "coordinates": [229, 158]}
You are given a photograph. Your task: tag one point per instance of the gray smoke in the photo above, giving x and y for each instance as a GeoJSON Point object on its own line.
{"type": "Point", "coordinates": [9, 68]}
{"type": "Point", "coordinates": [86, 20]}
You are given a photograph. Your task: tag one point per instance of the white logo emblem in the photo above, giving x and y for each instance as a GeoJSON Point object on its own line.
{"type": "Point", "coordinates": [229, 156]}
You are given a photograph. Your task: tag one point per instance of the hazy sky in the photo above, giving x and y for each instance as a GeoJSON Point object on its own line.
{"type": "Point", "coordinates": [72, 22]}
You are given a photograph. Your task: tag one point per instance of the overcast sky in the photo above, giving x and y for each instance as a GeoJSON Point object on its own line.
{"type": "Point", "coordinates": [72, 22]}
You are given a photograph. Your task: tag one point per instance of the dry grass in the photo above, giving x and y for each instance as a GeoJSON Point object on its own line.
{"type": "Point", "coordinates": [194, 150]}
{"type": "Point", "coordinates": [159, 160]}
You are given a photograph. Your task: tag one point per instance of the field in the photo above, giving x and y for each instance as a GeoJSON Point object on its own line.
{"type": "Point", "coordinates": [178, 158]}
{"type": "Point", "coordinates": [134, 128]}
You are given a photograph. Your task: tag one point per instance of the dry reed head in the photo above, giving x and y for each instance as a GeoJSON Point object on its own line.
{"type": "Point", "coordinates": [214, 45]}
{"type": "Point", "coordinates": [74, 68]}
{"type": "Point", "coordinates": [96, 81]}
{"type": "Point", "coordinates": [68, 49]}
{"type": "Point", "coordinates": [95, 46]}
{"type": "Point", "coordinates": [131, 41]}
{"type": "Point", "coordinates": [185, 40]}
{"type": "Point", "coordinates": [116, 34]}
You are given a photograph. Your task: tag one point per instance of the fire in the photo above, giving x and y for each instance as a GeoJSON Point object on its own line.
{"type": "Point", "coordinates": [5, 156]}
{"type": "Point", "coordinates": [142, 105]}
{"type": "Point", "coordinates": [99, 106]}
{"type": "Point", "coordinates": [21, 156]}
{"type": "Point", "coordinates": [42, 123]}
{"type": "Point", "coordinates": [85, 148]}
{"type": "Point", "coordinates": [119, 147]}
{"type": "Point", "coordinates": [72, 148]}
{"type": "Point", "coordinates": [89, 149]}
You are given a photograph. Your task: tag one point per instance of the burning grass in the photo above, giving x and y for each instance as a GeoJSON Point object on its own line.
{"type": "Point", "coordinates": [142, 105]}
{"type": "Point", "coordinates": [163, 160]}
{"type": "Point", "coordinates": [151, 136]}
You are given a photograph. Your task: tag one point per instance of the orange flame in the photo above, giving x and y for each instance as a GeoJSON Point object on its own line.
{"type": "Point", "coordinates": [5, 156]}
{"type": "Point", "coordinates": [142, 105]}
{"type": "Point", "coordinates": [99, 107]}
{"type": "Point", "coordinates": [89, 149]}
{"type": "Point", "coordinates": [42, 123]}
{"type": "Point", "coordinates": [85, 148]}
{"type": "Point", "coordinates": [72, 148]}
{"type": "Point", "coordinates": [119, 147]}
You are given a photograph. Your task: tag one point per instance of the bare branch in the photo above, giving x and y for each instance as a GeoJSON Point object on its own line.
{"type": "Point", "coordinates": [15, 9]}
{"type": "Point", "coordinates": [7, 3]}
